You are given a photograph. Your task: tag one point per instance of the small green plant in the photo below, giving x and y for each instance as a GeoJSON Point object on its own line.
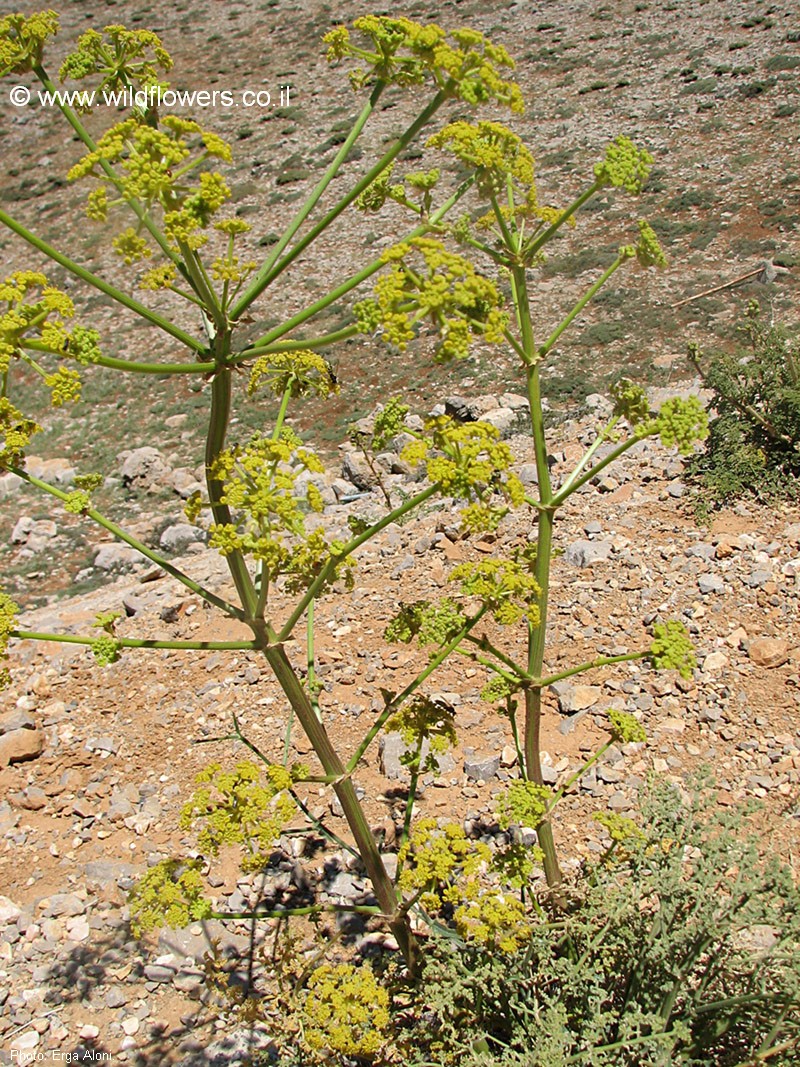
{"type": "Point", "coordinates": [157, 178]}
{"type": "Point", "coordinates": [680, 946]}
{"type": "Point", "coordinates": [753, 447]}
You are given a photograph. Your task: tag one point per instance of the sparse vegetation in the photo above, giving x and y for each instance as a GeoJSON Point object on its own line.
{"type": "Point", "coordinates": [753, 447]}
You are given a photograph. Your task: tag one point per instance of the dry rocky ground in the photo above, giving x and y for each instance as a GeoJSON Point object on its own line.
{"type": "Point", "coordinates": [113, 751]}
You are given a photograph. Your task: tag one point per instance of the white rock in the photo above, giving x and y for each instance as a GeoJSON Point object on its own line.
{"type": "Point", "coordinates": [9, 912]}
{"type": "Point", "coordinates": [24, 1043]}
{"type": "Point", "coordinates": [715, 661]}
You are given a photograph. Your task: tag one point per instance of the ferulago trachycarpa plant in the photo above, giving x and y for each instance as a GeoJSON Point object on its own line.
{"type": "Point", "coordinates": [159, 181]}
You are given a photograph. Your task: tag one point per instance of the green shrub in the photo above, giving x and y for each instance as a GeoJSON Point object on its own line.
{"type": "Point", "coordinates": [681, 947]}
{"type": "Point", "coordinates": [753, 447]}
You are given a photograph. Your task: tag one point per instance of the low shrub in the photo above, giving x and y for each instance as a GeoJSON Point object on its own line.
{"type": "Point", "coordinates": [753, 446]}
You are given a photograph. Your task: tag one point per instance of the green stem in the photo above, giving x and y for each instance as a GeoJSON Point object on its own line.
{"type": "Point", "coordinates": [579, 774]}
{"type": "Point", "coordinates": [122, 535]}
{"type": "Point", "coordinates": [590, 1054]}
{"type": "Point", "coordinates": [264, 279]}
{"type": "Point", "coordinates": [281, 416]}
{"type": "Point", "coordinates": [131, 642]}
{"type": "Point", "coordinates": [130, 365]}
{"type": "Point", "coordinates": [355, 543]}
{"type": "Point", "coordinates": [215, 442]}
{"type": "Point", "coordinates": [486, 645]}
{"type": "Point", "coordinates": [103, 286]}
{"type": "Point", "coordinates": [318, 825]}
{"type": "Point", "coordinates": [309, 909]}
{"type": "Point", "coordinates": [202, 286]}
{"type": "Point", "coordinates": [537, 633]}
{"type": "Point", "coordinates": [581, 304]}
{"type": "Point", "coordinates": [297, 695]}
{"type": "Point", "coordinates": [600, 661]}
{"type": "Point", "coordinates": [311, 675]}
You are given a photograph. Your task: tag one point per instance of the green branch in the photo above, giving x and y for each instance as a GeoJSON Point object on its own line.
{"type": "Point", "coordinates": [411, 688]}
{"type": "Point", "coordinates": [266, 343]}
{"type": "Point", "coordinates": [122, 535]}
{"type": "Point", "coordinates": [614, 454]}
{"type": "Point", "coordinates": [355, 543]}
{"type": "Point", "coordinates": [103, 286]}
{"type": "Point", "coordinates": [264, 279]}
{"type": "Point", "coordinates": [133, 642]}
{"type": "Point", "coordinates": [133, 366]}
{"type": "Point", "coordinates": [141, 213]}
{"type": "Point", "coordinates": [581, 304]}
{"type": "Point", "coordinates": [565, 216]}
{"type": "Point", "coordinates": [601, 661]}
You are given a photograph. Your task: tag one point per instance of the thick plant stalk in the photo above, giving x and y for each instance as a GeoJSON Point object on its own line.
{"type": "Point", "coordinates": [268, 642]}
{"type": "Point", "coordinates": [275, 655]}
{"type": "Point", "coordinates": [544, 546]}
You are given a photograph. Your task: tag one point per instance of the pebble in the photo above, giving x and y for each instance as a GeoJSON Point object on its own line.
{"type": "Point", "coordinates": [768, 651]}
{"type": "Point", "coordinates": [584, 553]}
{"type": "Point", "coordinates": [17, 746]}
{"type": "Point", "coordinates": [710, 583]}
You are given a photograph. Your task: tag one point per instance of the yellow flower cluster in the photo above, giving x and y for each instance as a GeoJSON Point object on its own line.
{"type": "Point", "coordinates": [16, 431]}
{"type": "Point", "coordinates": [153, 170]}
{"type": "Point", "coordinates": [345, 1011]}
{"type": "Point", "coordinates": [34, 318]}
{"type": "Point", "coordinates": [433, 857]}
{"type": "Point", "coordinates": [460, 304]}
{"type": "Point", "coordinates": [8, 620]}
{"type": "Point", "coordinates": [505, 586]}
{"type": "Point", "coordinates": [493, 151]}
{"type": "Point", "coordinates": [624, 166]}
{"type": "Point", "coordinates": [305, 373]}
{"type": "Point", "coordinates": [625, 727]}
{"type": "Point", "coordinates": [259, 482]}
{"type": "Point", "coordinates": [672, 648]}
{"type": "Point", "coordinates": [22, 40]}
{"type": "Point", "coordinates": [405, 53]}
{"type": "Point", "coordinates": [421, 719]}
{"type": "Point", "coordinates": [169, 893]}
{"type": "Point", "coordinates": [524, 803]}
{"type": "Point", "coordinates": [123, 57]}
{"type": "Point", "coordinates": [237, 807]}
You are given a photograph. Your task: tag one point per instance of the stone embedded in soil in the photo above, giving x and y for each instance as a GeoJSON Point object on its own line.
{"type": "Point", "coordinates": [584, 553]}
{"type": "Point", "coordinates": [9, 911]}
{"type": "Point", "coordinates": [393, 748]}
{"type": "Point", "coordinates": [20, 745]}
{"type": "Point", "coordinates": [23, 1043]}
{"type": "Point", "coordinates": [481, 768]}
{"type": "Point", "coordinates": [768, 651]}
{"type": "Point", "coordinates": [715, 661]}
{"type": "Point", "coordinates": [113, 557]}
{"type": "Point", "coordinates": [179, 536]}
{"type": "Point", "coordinates": [572, 698]}
{"type": "Point", "coordinates": [16, 720]}
{"type": "Point", "coordinates": [63, 904]}
{"type": "Point", "coordinates": [710, 583]}
{"type": "Point", "coordinates": [144, 468]}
